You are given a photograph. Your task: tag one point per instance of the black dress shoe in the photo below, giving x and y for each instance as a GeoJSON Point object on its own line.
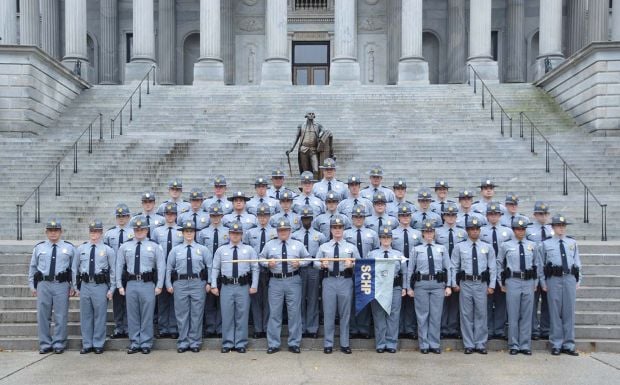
{"type": "Point", "coordinates": [424, 351]}
{"type": "Point", "coordinates": [241, 350]}
{"type": "Point", "coordinates": [364, 336]}
{"type": "Point", "coordinates": [526, 352]}
{"type": "Point", "coordinates": [482, 351]}
{"type": "Point", "coordinates": [436, 350]}
{"type": "Point", "coordinates": [555, 352]}
{"type": "Point", "coordinates": [345, 349]}
{"type": "Point", "coordinates": [413, 336]}
{"type": "Point", "coordinates": [313, 335]}
{"type": "Point", "coordinates": [513, 352]}
{"type": "Point", "coordinates": [294, 349]}
{"type": "Point", "coordinates": [116, 336]}
{"type": "Point", "coordinates": [195, 349]}
{"type": "Point", "coordinates": [390, 350]}
{"type": "Point", "coordinates": [256, 335]}
{"type": "Point", "coordinates": [468, 351]}
{"type": "Point", "coordinates": [272, 350]}
{"type": "Point", "coordinates": [163, 335]}
{"type": "Point", "coordinates": [59, 350]}
{"type": "Point", "coordinates": [98, 350]}
{"type": "Point", "coordinates": [380, 350]}
{"type": "Point", "coordinates": [225, 350]}
{"type": "Point", "coordinates": [86, 350]}
{"type": "Point", "coordinates": [174, 336]}
{"type": "Point", "coordinates": [133, 350]}
{"type": "Point", "coordinates": [544, 336]}
{"type": "Point", "coordinates": [327, 350]}
{"type": "Point", "coordinates": [146, 350]}
{"type": "Point", "coordinates": [210, 335]}
{"type": "Point", "coordinates": [219, 335]}
{"type": "Point", "coordinates": [45, 350]}
{"type": "Point", "coordinates": [535, 337]}
{"type": "Point", "coordinates": [402, 336]}
{"type": "Point", "coordinates": [569, 352]}
{"type": "Point", "coordinates": [181, 350]}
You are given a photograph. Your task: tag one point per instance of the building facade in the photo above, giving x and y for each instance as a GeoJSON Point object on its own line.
{"type": "Point", "coordinates": [253, 42]}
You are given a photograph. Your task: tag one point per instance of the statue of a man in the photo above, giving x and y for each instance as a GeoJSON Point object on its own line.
{"type": "Point", "coordinates": [315, 144]}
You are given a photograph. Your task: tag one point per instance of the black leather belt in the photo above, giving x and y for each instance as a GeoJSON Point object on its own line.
{"type": "Point", "coordinates": [525, 275]}
{"type": "Point", "coordinates": [242, 281]}
{"type": "Point", "coordinates": [287, 275]}
{"type": "Point", "coordinates": [60, 278]}
{"type": "Point", "coordinates": [189, 276]}
{"type": "Point", "coordinates": [346, 273]}
{"type": "Point", "coordinates": [97, 278]}
{"type": "Point", "coordinates": [474, 278]}
{"type": "Point", "coordinates": [144, 277]}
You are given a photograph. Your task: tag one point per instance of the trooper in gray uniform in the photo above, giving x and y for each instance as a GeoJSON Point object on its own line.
{"type": "Point", "coordinates": [386, 324]}
{"type": "Point", "coordinates": [376, 177]}
{"type": "Point", "coordinates": [307, 198]}
{"type": "Point", "coordinates": [322, 222]}
{"type": "Point", "coordinates": [153, 219]}
{"type": "Point", "coordinates": [175, 189]}
{"type": "Point", "coordinates": [562, 268]}
{"type": "Point", "coordinates": [429, 273]}
{"type": "Point", "coordinates": [187, 273]}
{"type": "Point", "coordinates": [94, 266]}
{"type": "Point", "coordinates": [424, 212]}
{"type": "Point", "coordinates": [286, 212]}
{"type": "Point", "coordinates": [520, 271]}
{"type": "Point", "coordinates": [404, 239]}
{"type": "Point", "coordinates": [495, 234]}
{"type": "Point", "coordinates": [329, 183]}
{"type": "Point", "coordinates": [257, 238]}
{"type": "Point", "coordinates": [512, 210]}
{"type": "Point", "coordinates": [143, 261]}
{"type": "Point", "coordinates": [400, 197]}
{"type": "Point", "coordinates": [310, 278]}
{"type": "Point", "coordinates": [49, 279]}
{"type": "Point", "coordinates": [260, 186]}
{"type": "Point", "coordinates": [196, 214]}
{"type": "Point", "coordinates": [167, 236]}
{"type": "Point", "coordinates": [441, 192]}
{"type": "Point", "coordinates": [219, 196]}
{"type": "Point", "coordinates": [538, 232]}
{"type": "Point", "coordinates": [284, 287]}
{"type": "Point", "coordinates": [365, 240]}
{"type": "Point", "coordinates": [474, 271]}
{"type": "Point", "coordinates": [449, 235]}
{"type": "Point", "coordinates": [345, 207]}
{"type": "Point", "coordinates": [115, 237]}
{"type": "Point", "coordinates": [337, 284]}
{"type": "Point", "coordinates": [239, 212]}
{"type": "Point", "coordinates": [277, 183]}
{"type": "Point", "coordinates": [239, 280]}
{"type": "Point", "coordinates": [466, 211]}
{"type": "Point", "coordinates": [379, 216]}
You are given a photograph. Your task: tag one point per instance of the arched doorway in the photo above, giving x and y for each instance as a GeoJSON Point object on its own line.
{"type": "Point", "coordinates": [430, 51]}
{"type": "Point", "coordinates": [191, 53]}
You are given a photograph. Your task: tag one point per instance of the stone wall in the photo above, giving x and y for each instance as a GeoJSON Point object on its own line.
{"type": "Point", "coordinates": [587, 86]}
{"type": "Point", "coordinates": [34, 89]}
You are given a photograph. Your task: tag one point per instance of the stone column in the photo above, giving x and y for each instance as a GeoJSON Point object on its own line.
{"type": "Point", "coordinates": [515, 37]}
{"type": "Point", "coordinates": [29, 23]}
{"type": "Point", "coordinates": [456, 41]}
{"type": "Point", "coordinates": [577, 31]}
{"type": "Point", "coordinates": [277, 67]}
{"type": "Point", "coordinates": [228, 41]}
{"type": "Point", "coordinates": [480, 40]}
{"type": "Point", "coordinates": [412, 68]}
{"type": "Point", "coordinates": [167, 42]}
{"type": "Point", "coordinates": [8, 22]}
{"type": "Point", "coordinates": [615, 20]}
{"type": "Point", "coordinates": [143, 56]}
{"type": "Point", "coordinates": [209, 68]}
{"type": "Point", "coordinates": [108, 45]}
{"type": "Point", "coordinates": [345, 68]}
{"type": "Point", "coordinates": [50, 27]}
{"type": "Point", "coordinates": [75, 36]}
{"type": "Point", "coordinates": [550, 35]}
{"type": "Point", "coordinates": [598, 15]}
{"type": "Point", "coordinates": [394, 14]}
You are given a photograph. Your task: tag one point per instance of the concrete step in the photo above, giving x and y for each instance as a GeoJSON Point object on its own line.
{"type": "Point", "coordinates": [10, 316]}
{"type": "Point", "coordinates": [597, 318]}
{"type": "Point", "coordinates": [598, 304]}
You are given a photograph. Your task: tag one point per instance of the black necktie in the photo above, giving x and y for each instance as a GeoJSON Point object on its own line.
{"type": "Point", "coordinates": [284, 264]}
{"type": "Point", "coordinates": [195, 225]}
{"type": "Point", "coordinates": [307, 200]}
{"type": "Point", "coordinates": [336, 268]}
{"type": "Point", "coordinates": [261, 200]}
{"type": "Point", "coordinates": [466, 220]}
{"type": "Point", "coordinates": [120, 237]}
{"type": "Point", "coordinates": [136, 262]}
{"type": "Point", "coordinates": [169, 242]}
{"type": "Point", "coordinates": [359, 243]}
{"type": "Point", "coordinates": [543, 233]}
{"type": "Point", "coordinates": [306, 239]}
{"type": "Point", "coordinates": [91, 264]}
{"type": "Point", "coordinates": [431, 261]}
{"type": "Point", "coordinates": [329, 186]}
{"type": "Point", "coordinates": [474, 259]}
{"type": "Point", "coordinates": [495, 247]}
{"type": "Point", "coordinates": [239, 217]}
{"type": "Point", "coordinates": [190, 269]}
{"type": "Point", "coordinates": [235, 266]}
{"type": "Point", "coordinates": [564, 259]}
{"type": "Point", "coordinates": [262, 239]}
{"type": "Point", "coordinates": [450, 242]}
{"type": "Point", "coordinates": [423, 216]}
{"type": "Point", "coordinates": [52, 271]}
{"type": "Point", "coordinates": [380, 223]}
{"type": "Point", "coordinates": [442, 208]}
{"type": "Point", "coordinates": [278, 194]}
{"type": "Point", "coordinates": [385, 254]}
{"type": "Point", "coordinates": [355, 201]}
{"type": "Point", "coordinates": [216, 241]}
{"type": "Point", "coordinates": [406, 244]}
{"type": "Point", "coordinates": [148, 224]}
{"type": "Point", "coordinates": [522, 267]}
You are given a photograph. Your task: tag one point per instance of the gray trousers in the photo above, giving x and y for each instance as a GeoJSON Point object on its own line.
{"type": "Point", "coordinates": [429, 296]}
{"type": "Point", "coordinates": [359, 323]}
{"type": "Point", "coordinates": [386, 325]}
{"type": "Point", "coordinates": [408, 319]}
{"type": "Point", "coordinates": [337, 295]}
{"type": "Point", "coordinates": [212, 314]}
{"type": "Point", "coordinates": [119, 307]}
{"type": "Point", "coordinates": [235, 300]}
{"type": "Point", "coordinates": [540, 327]}
{"type": "Point", "coordinates": [167, 320]}
{"type": "Point", "coordinates": [140, 309]}
{"type": "Point", "coordinates": [310, 299]}
{"type": "Point", "coordinates": [519, 302]}
{"type": "Point", "coordinates": [281, 291]}
{"type": "Point", "coordinates": [93, 314]}
{"type": "Point", "coordinates": [260, 302]}
{"type": "Point", "coordinates": [473, 308]}
{"type": "Point", "coordinates": [450, 323]}
{"type": "Point", "coordinates": [561, 293]}
{"type": "Point", "coordinates": [52, 297]}
{"type": "Point", "coordinates": [189, 302]}
{"type": "Point", "coordinates": [496, 312]}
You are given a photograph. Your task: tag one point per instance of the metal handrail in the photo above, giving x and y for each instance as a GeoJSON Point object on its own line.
{"type": "Point", "coordinates": [587, 192]}
{"type": "Point", "coordinates": [37, 191]}
{"type": "Point", "coordinates": [484, 87]}
{"type": "Point", "coordinates": [119, 114]}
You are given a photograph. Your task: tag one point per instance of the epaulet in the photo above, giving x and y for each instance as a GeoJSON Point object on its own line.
{"type": "Point", "coordinates": [136, 214]}
{"type": "Point", "coordinates": [183, 200]}
{"type": "Point", "coordinates": [69, 243]}
{"type": "Point", "coordinates": [113, 227]}
{"type": "Point", "coordinates": [84, 242]}
{"type": "Point", "coordinates": [411, 203]}
{"type": "Point", "coordinates": [450, 201]}
{"type": "Point", "coordinates": [476, 202]}
{"type": "Point", "coordinates": [478, 212]}
{"type": "Point", "coordinates": [39, 243]}
{"type": "Point", "coordinates": [571, 237]}
{"type": "Point", "coordinates": [210, 197]}
{"type": "Point", "coordinates": [385, 187]}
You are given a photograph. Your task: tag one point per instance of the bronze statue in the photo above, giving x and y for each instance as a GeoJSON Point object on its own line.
{"type": "Point", "coordinates": [315, 144]}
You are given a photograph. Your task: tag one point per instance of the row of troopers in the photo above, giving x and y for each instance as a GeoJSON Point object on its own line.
{"type": "Point", "coordinates": [325, 222]}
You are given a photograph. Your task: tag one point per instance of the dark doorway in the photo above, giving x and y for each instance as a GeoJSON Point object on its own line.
{"type": "Point", "coordinates": [311, 63]}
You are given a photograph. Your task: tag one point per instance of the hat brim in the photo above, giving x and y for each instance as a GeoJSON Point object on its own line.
{"type": "Point", "coordinates": [230, 199]}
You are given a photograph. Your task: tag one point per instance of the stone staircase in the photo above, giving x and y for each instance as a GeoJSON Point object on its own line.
{"type": "Point", "coordinates": [597, 312]}
{"type": "Point", "coordinates": [419, 133]}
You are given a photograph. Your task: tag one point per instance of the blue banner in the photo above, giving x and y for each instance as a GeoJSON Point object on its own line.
{"type": "Point", "coordinates": [374, 279]}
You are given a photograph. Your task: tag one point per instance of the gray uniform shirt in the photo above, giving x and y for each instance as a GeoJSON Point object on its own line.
{"type": "Point", "coordinates": [273, 250]}
{"type": "Point", "coordinates": [227, 206]}
{"type": "Point", "coordinates": [346, 250]}
{"type": "Point", "coordinates": [372, 222]}
{"type": "Point", "coordinates": [247, 220]}
{"type": "Point", "coordinates": [315, 239]}
{"type": "Point", "coordinates": [370, 240]}
{"type": "Point", "coordinates": [321, 188]}
{"type": "Point", "coordinates": [392, 207]}
{"type": "Point", "coordinates": [345, 207]}
{"type": "Point", "coordinates": [462, 260]}
{"type": "Point", "coordinates": [112, 236]}
{"type": "Point", "coordinates": [252, 237]}
{"type": "Point", "coordinates": [370, 191]}
{"type": "Point", "coordinates": [549, 252]}
{"type": "Point", "coordinates": [399, 267]}
{"type": "Point", "coordinates": [42, 257]}
{"type": "Point", "coordinates": [318, 206]}
{"type": "Point", "coordinates": [182, 206]}
{"type": "Point", "coordinates": [534, 232]}
{"type": "Point", "coordinates": [206, 237]}
{"type": "Point", "coordinates": [321, 223]}
{"type": "Point", "coordinates": [419, 216]}
{"type": "Point", "coordinates": [177, 260]}
{"type": "Point", "coordinates": [105, 260]}
{"type": "Point", "coordinates": [510, 256]}
{"type": "Point", "coordinates": [202, 218]}
{"type": "Point", "coordinates": [160, 236]}
{"type": "Point", "coordinates": [151, 257]}
{"type": "Point", "coordinates": [222, 265]}
{"type": "Point", "coordinates": [419, 261]}
{"type": "Point", "coordinates": [398, 238]}
{"type": "Point", "coordinates": [293, 218]}
{"type": "Point", "coordinates": [274, 205]}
